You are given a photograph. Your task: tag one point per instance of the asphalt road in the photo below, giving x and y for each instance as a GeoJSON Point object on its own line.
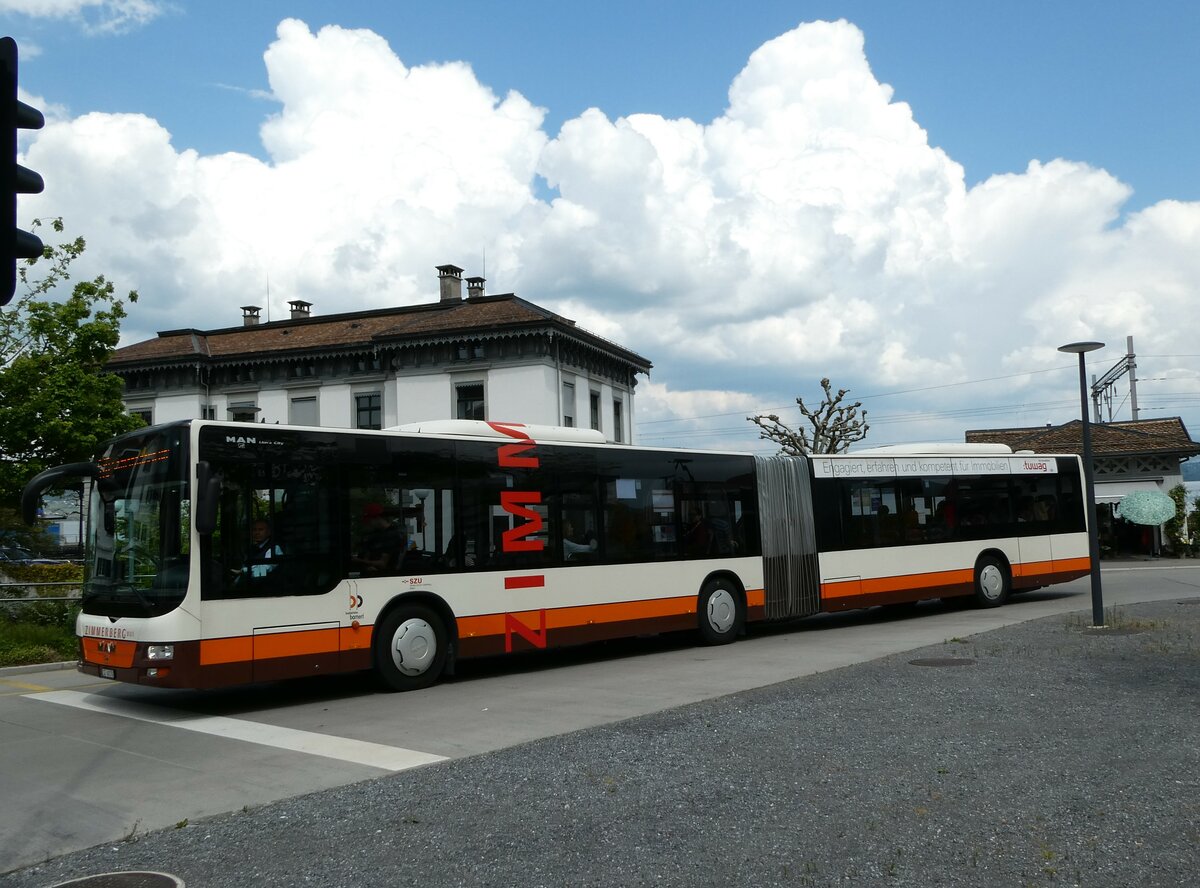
{"type": "Point", "coordinates": [1059, 756]}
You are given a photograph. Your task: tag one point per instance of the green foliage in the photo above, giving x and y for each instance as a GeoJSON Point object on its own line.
{"type": "Point", "coordinates": [22, 643]}
{"type": "Point", "coordinates": [56, 402]}
{"type": "Point", "coordinates": [38, 631]}
{"type": "Point", "coordinates": [44, 573]}
{"type": "Point", "coordinates": [835, 426]}
{"type": "Point", "coordinates": [1173, 528]}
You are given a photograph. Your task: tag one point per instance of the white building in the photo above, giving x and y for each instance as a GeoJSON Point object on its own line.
{"type": "Point", "coordinates": [482, 357]}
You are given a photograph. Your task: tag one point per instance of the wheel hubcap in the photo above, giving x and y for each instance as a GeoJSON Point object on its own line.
{"type": "Point", "coordinates": [722, 609]}
{"type": "Point", "coordinates": [414, 646]}
{"type": "Point", "coordinates": [991, 582]}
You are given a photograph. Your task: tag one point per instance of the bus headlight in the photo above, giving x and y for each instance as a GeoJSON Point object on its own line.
{"type": "Point", "coordinates": [160, 652]}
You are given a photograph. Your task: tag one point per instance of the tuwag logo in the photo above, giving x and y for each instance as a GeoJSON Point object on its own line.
{"type": "Point", "coordinates": [1035, 466]}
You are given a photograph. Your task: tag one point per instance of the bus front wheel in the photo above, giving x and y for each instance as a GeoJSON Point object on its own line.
{"type": "Point", "coordinates": [721, 612]}
{"type": "Point", "coordinates": [992, 582]}
{"type": "Point", "coordinates": [410, 648]}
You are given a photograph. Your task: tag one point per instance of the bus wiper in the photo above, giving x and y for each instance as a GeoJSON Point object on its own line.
{"type": "Point", "coordinates": [137, 593]}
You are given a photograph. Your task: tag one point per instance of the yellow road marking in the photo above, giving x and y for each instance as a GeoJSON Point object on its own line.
{"type": "Point", "coordinates": [23, 685]}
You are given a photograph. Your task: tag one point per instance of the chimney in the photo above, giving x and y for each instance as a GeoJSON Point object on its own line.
{"type": "Point", "coordinates": [300, 309]}
{"type": "Point", "coordinates": [450, 282]}
{"type": "Point", "coordinates": [474, 287]}
{"type": "Point", "coordinates": [250, 315]}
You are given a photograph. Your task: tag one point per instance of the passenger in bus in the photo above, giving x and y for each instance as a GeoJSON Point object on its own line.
{"type": "Point", "coordinates": [383, 543]}
{"type": "Point", "coordinates": [697, 536]}
{"type": "Point", "coordinates": [262, 554]}
{"type": "Point", "coordinates": [575, 548]}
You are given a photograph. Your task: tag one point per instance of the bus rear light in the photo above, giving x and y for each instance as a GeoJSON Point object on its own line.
{"type": "Point", "coordinates": [160, 652]}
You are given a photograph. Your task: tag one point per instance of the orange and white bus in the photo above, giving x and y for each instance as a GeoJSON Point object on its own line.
{"type": "Point", "coordinates": [226, 553]}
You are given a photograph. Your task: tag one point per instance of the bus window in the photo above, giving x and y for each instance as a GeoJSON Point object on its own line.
{"type": "Point", "coordinates": [275, 533]}
{"type": "Point", "coordinates": [641, 519]}
{"type": "Point", "coordinates": [1069, 515]}
{"type": "Point", "coordinates": [984, 507]}
{"type": "Point", "coordinates": [400, 515]}
{"type": "Point", "coordinates": [504, 517]}
{"type": "Point", "coordinates": [870, 513]}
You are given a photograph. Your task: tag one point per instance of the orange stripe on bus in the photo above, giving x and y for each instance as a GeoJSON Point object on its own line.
{"type": "Point", "coordinates": [585, 615]}
{"type": "Point", "coordinates": [1047, 568]}
{"type": "Point", "coordinates": [356, 638]}
{"type": "Point", "coordinates": [214, 651]}
{"type": "Point", "coordinates": [870, 586]}
{"type": "Point", "coordinates": [268, 646]}
{"type": "Point", "coordinates": [226, 650]}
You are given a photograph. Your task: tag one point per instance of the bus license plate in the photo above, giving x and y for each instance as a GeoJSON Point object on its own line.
{"type": "Point", "coordinates": [107, 673]}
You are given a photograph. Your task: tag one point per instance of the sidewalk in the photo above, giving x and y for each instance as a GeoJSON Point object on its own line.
{"type": "Point", "coordinates": [1043, 753]}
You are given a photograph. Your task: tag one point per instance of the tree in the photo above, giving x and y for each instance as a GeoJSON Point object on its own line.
{"type": "Point", "coordinates": [56, 402]}
{"type": "Point", "coordinates": [1175, 528]}
{"type": "Point", "coordinates": [835, 426]}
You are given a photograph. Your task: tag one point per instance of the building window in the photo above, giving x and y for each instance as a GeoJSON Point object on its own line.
{"type": "Point", "coordinates": [368, 410]}
{"type": "Point", "coordinates": [470, 404]}
{"type": "Point", "coordinates": [304, 411]}
{"type": "Point", "coordinates": [208, 411]}
{"type": "Point", "coordinates": [594, 402]}
{"type": "Point", "coordinates": [145, 414]}
{"type": "Point", "coordinates": [243, 411]}
{"type": "Point", "coordinates": [618, 425]}
{"type": "Point", "coordinates": [568, 404]}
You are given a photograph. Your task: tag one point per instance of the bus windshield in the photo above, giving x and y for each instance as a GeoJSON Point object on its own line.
{"type": "Point", "coordinates": [137, 560]}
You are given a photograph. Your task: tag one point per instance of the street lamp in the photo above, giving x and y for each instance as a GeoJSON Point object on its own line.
{"type": "Point", "coordinates": [1082, 348]}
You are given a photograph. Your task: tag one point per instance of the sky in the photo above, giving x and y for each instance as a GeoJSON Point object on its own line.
{"type": "Point", "coordinates": [919, 201]}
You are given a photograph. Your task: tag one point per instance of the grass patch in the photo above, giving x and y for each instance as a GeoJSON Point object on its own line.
{"type": "Point", "coordinates": [22, 644]}
{"type": "Point", "coordinates": [1115, 618]}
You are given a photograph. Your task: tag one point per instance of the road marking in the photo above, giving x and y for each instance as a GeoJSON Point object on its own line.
{"type": "Point", "coordinates": [344, 749]}
{"type": "Point", "coordinates": [23, 685]}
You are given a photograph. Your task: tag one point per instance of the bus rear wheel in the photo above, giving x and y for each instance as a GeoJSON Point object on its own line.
{"type": "Point", "coordinates": [992, 582]}
{"type": "Point", "coordinates": [410, 648]}
{"type": "Point", "coordinates": [720, 611]}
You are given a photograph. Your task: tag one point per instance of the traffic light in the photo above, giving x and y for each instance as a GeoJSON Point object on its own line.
{"type": "Point", "coordinates": [15, 244]}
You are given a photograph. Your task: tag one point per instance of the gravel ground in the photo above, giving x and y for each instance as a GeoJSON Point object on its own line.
{"type": "Point", "coordinates": [1059, 756]}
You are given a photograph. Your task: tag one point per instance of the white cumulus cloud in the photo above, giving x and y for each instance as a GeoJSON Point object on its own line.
{"type": "Point", "coordinates": [100, 16]}
{"type": "Point", "coordinates": [810, 230]}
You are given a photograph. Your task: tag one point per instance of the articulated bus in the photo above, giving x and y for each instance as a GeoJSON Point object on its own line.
{"type": "Point", "coordinates": [226, 553]}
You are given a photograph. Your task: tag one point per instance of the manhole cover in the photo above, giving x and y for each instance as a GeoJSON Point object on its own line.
{"type": "Point", "coordinates": [124, 880]}
{"type": "Point", "coordinates": [943, 661]}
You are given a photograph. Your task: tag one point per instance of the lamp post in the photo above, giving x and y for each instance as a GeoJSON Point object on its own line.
{"type": "Point", "coordinates": [1082, 348]}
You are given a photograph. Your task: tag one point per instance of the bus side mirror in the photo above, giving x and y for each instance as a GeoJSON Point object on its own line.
{"type": "Point", "coordinates": [208, 497]}
{"type": "Point", "coordinates": [31, 496]}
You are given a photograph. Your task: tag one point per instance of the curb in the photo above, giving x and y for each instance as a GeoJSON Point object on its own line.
{"type": "Point", "coordinates": [38, 667]}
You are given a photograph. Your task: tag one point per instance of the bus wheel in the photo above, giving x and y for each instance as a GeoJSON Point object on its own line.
{"type": "Point", "coordinates": [720, 611]}
{"type": "Point", "coordinates": [410, 648]}
{"type": "Point", "coordinates": [992, 585]}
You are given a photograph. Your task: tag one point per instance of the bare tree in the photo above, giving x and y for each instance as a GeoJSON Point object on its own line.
{"type": "Point", "coordinates": [835, 426]}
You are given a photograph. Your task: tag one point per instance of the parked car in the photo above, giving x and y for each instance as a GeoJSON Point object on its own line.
{"type": "Point", "coordinates": [16, 555]}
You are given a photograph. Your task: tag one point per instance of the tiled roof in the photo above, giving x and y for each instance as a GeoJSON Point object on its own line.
{"type": "Point", "coordinates": [1166, 436]}
{"type": "Point", "coordinates": [477, 316]}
